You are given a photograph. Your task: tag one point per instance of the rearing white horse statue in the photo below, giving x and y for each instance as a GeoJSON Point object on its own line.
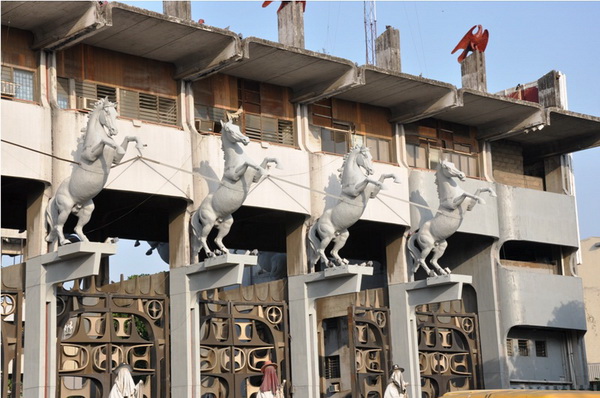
{"type": "Point", "coordinates": [100, 151]}
{"type": "Point", "coordinates": [239, 174]}
{"type": "Point", "coordinates": [433, 234]}
{"type": "Point", "coordinates": [334, 223]}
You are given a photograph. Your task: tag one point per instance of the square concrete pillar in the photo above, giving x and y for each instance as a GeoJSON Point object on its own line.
{"type": "Point", "coordinates": [404, 297]}
{"type": "Point", "coordinates": [42, 273]}
{"type": "Point", "coordinates": [473, 72]}
{"type": "Point", "coordinates": [184, 285]}
{"type": "Point", "coordinates": [290, 24]}
{"type": "Point", "coordinates": [303, 291]}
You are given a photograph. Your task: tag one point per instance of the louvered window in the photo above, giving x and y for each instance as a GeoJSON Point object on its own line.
{"type": "Point", "coordinates": [148, 107]}
{"type": "Point", "coordinates": [88, 93]}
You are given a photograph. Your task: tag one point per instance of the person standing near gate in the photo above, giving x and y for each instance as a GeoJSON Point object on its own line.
{"type": "Point", "coordinates": [270, 386]}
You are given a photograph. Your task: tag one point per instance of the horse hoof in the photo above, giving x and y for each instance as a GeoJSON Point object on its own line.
{"type": "Point", "coordinates": [210, 254]}
{"type": "Point", "coordinates": [254, 252]}
{"type": "Point", "coordinates": [448, 272]}
{"type": "Point", "coordinates": [345, 261]}
{"type": "Point", "coordinates": [369, 263]}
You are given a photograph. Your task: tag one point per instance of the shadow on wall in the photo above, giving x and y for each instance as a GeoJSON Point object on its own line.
{"type": "Point", "coordinates": [207, 173]}
{"type": "Point", "coordinates": [424, 211]}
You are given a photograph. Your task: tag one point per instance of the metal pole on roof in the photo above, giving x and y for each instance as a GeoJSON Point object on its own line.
{"type": "Point", "coordinates": [370, 18]}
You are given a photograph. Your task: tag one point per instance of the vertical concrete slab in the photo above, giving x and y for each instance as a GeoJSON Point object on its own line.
{"type": "Point", "coordinates": [473, 72]}
{"type": "Point", "coordinates": [387, 50]}
{"type": "Point", "coordinates": [179, 9]}
{"type": "Point", "coordinates": [290, 24]}
{"type": "Point", "coordinates": [69, 262]}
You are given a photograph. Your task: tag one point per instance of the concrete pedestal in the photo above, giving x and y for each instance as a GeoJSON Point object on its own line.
{"type": "Point", "coordinates": [185, 284]}
{"type": "Point", "coordinates": [303, 291]}
{"type": "Point", "coordinates": [404, 297]}
{"type": "Point", "coordinates": [73, 261]}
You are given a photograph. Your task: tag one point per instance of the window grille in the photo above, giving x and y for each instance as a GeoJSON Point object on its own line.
{"type": "Point", "coordinates": [540, 348]}
{"type": "Point", "coordinates": [18, 83]}
{"type": "Point", "coordinates": [148, 107]}
{"type": "Point", "coordinates": [332, 367]}
{"type": "Point", "coordinates": [509, 348]}
{"type": "Point", "coordinates": [523, 346]}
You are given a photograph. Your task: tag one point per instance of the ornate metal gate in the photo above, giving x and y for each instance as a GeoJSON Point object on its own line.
{"type": "Point", "coordinates": [370, 342]}
{"type": "Point", "coordinates": [237, 337]}
{"type": "Point", "coordinates": [100, 327]}
{"type": "Point", "coordinates": [448, 348]}
{"type": "Point", "coordinates": [11, 308]}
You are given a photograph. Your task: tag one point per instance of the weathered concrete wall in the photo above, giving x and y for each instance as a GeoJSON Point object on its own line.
{"type": "Point", "coordinates": [32, 132]}
{"type": "Point", "coordinates": [473, 73]}
{"type": "Point", "coordinates": [387, 50]}
{"type": "Point", "coordinates": [507, 161]}
{"type": "Point", "coordinates": [530, 215]}
{"type": "Point", "coordinates": [588, 271]}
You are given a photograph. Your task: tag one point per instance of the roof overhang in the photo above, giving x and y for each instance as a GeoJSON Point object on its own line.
{"type": "Point", "coordinates": [196, 50]}
{"type": "Point", "coordinates": [56, 24]}
{"type": "Point", "coordinates": [312, 76]}
{"type": "Point", "coordinates": [409, 97]}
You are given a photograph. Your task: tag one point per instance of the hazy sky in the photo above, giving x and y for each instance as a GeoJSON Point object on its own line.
{"type": "Point", "coordinates": [527, 40]}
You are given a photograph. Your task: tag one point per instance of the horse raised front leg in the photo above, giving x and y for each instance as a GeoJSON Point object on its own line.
{"type": "Point", "coordinates": [262, 169]}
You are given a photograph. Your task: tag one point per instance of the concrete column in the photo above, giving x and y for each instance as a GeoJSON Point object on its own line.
{"type": "Point", "coordinates": [397, 266]}
{"type": "Point", "coordinates": [179, 9]}
{"type": "Point", "coordinates": [404, 297]}
{"type": "Point", "coordinates": [303, 291]}
{"type": "Point", "coordinates": [552, 90]}
{"type": "Point", "coordinates": [473, 73]}
{"type": "Point", "coordinates": [295, 243]}
{"type": "Point", "coordinates": [290, 24]}
{"type": "Point", "coordinates": [37, 202]}
{"type": "Point", "coordinates": [184, 285]}
{"type": "Point", "coordinates": [69, 262]}
{"type": "Point", "coordinates": [179, 243]}
{"type": "Point", "coordinates": [387, 50]}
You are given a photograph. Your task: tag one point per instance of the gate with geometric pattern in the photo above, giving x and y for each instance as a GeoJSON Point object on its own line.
{"type": "Point", "coordinates": [238, 335]}
{"type": "Point", "coordinates": [449, 355]}
{"type": "Point", "coordinates": [100, 327]}
{"type": "Point", "coordinates": [11, 308]}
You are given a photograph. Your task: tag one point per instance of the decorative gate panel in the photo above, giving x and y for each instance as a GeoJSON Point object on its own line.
{"type": "Point", "coordinates": [448, 348]}
{"type": "Point", "coordinates": [370, 342]}
{"type": "Point", "coordinates": [237, 337]}
{"type": "Point", "coordinates": [11, 309]}
{"type": "Point", "coordinates": [101, 327]}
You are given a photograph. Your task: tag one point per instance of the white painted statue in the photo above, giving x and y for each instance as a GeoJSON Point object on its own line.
{"type": "Point", "coordinates": [124, 386]}
{"type": "Point", "coordinates": [396, 387]}
{"type": "Point", "coordinates": [100, 151]}
{"type": "Point", "coordinates": [433, 233]}
{"type": "Point", "coordinates": [334, 223]}
{"type": "Point", "coordinates": [270, 386]}
{"type": "Point", "coordinates": [239, 174]}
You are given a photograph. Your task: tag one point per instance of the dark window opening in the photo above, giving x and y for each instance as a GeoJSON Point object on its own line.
{"type": "Point", "coordinates": [523, 347]}
{"type": "Point", "coordinates": [332, 367]}
{"type": "Point", "coordinates": [540, 348]}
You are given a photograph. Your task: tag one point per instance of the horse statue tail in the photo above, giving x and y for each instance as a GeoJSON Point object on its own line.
{"type": "Point", "coordinates": [314, 241]}
{"type": "Point", "coordinates": [196, 231]}
{"type": "Point", "coordinates": [51, 216]}
{"type": "Point", "coordinates": [413, 250]}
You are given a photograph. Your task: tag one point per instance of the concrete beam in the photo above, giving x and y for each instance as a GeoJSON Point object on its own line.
{"type": "Point", "coordinates": [507, 128]}
{"type": "Point", "coordinates": [303, 291]}
{"type": "Point", "coordinates": [403, 298]}
{"type": "Point", "coordinates": [351, 78]}
{"type": "Point", "coordinates": [62, 34]}
{"type": "Point", "coordinates": [184, 285]}
{"type": "Point", "coordinates": [69, 262]}
{"type": "Point", "coordinates": [201, 65]}
{"type": "Point", "coordinates": [413, 111]}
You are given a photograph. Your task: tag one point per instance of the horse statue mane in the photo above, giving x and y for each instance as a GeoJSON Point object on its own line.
{"type": "Point", "coordinates": [99, 151]}
{"type": "Point", "coordinates": [239, 174]}
{"type": "Point", "coordinates": [433, 234]}
{"type": "Point", "coordinates": [334, 222]}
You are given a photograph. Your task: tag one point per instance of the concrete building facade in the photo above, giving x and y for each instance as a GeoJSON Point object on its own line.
{"type": "Point", "coordinates": [335, 332]}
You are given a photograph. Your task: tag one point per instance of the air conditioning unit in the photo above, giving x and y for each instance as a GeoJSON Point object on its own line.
{"type": "Point", "coordinates": [86, 103]}
{"type": "Point", "coordinates": [334, 387]}
{"type": "Point", "coordinates": [9, 88]}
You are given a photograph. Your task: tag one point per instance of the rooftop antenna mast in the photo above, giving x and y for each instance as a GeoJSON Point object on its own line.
{"type": "Point", "coordinates": [370, 30]}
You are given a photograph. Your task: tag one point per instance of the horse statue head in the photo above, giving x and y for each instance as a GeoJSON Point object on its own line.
{"type": "Point", "coordinates": [107, 115]}
{"type": "Point", "coordinates": [362, 158]}
{"type": "Point", "coordinates": [232, 132]}
{"type": "Point", "coordinates": [449, 170]}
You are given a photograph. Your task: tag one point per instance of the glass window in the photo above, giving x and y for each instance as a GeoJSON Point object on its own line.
{"type": "Point", "coordinates": [62, 88]}
{"type": "Point", "coordinates": [334, 141]}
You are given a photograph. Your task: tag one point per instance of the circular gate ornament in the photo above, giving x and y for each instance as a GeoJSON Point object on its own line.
{"type": "Point", "coordinates": [7, 303]}
{"type": "Point", "coordinates": [154, 309]}
{"type": "Point", "coordinates": [468, 325]}
{"type": "Point", "coordinates": [380, 318]}
{"type": "Point", "coordinates": [274, 315]}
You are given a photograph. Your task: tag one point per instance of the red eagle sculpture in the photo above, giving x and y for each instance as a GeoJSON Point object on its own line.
{"type": "Point", "coordinates": [285, 3]}
{"type": "Point", "coordinates": [472, 41]}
